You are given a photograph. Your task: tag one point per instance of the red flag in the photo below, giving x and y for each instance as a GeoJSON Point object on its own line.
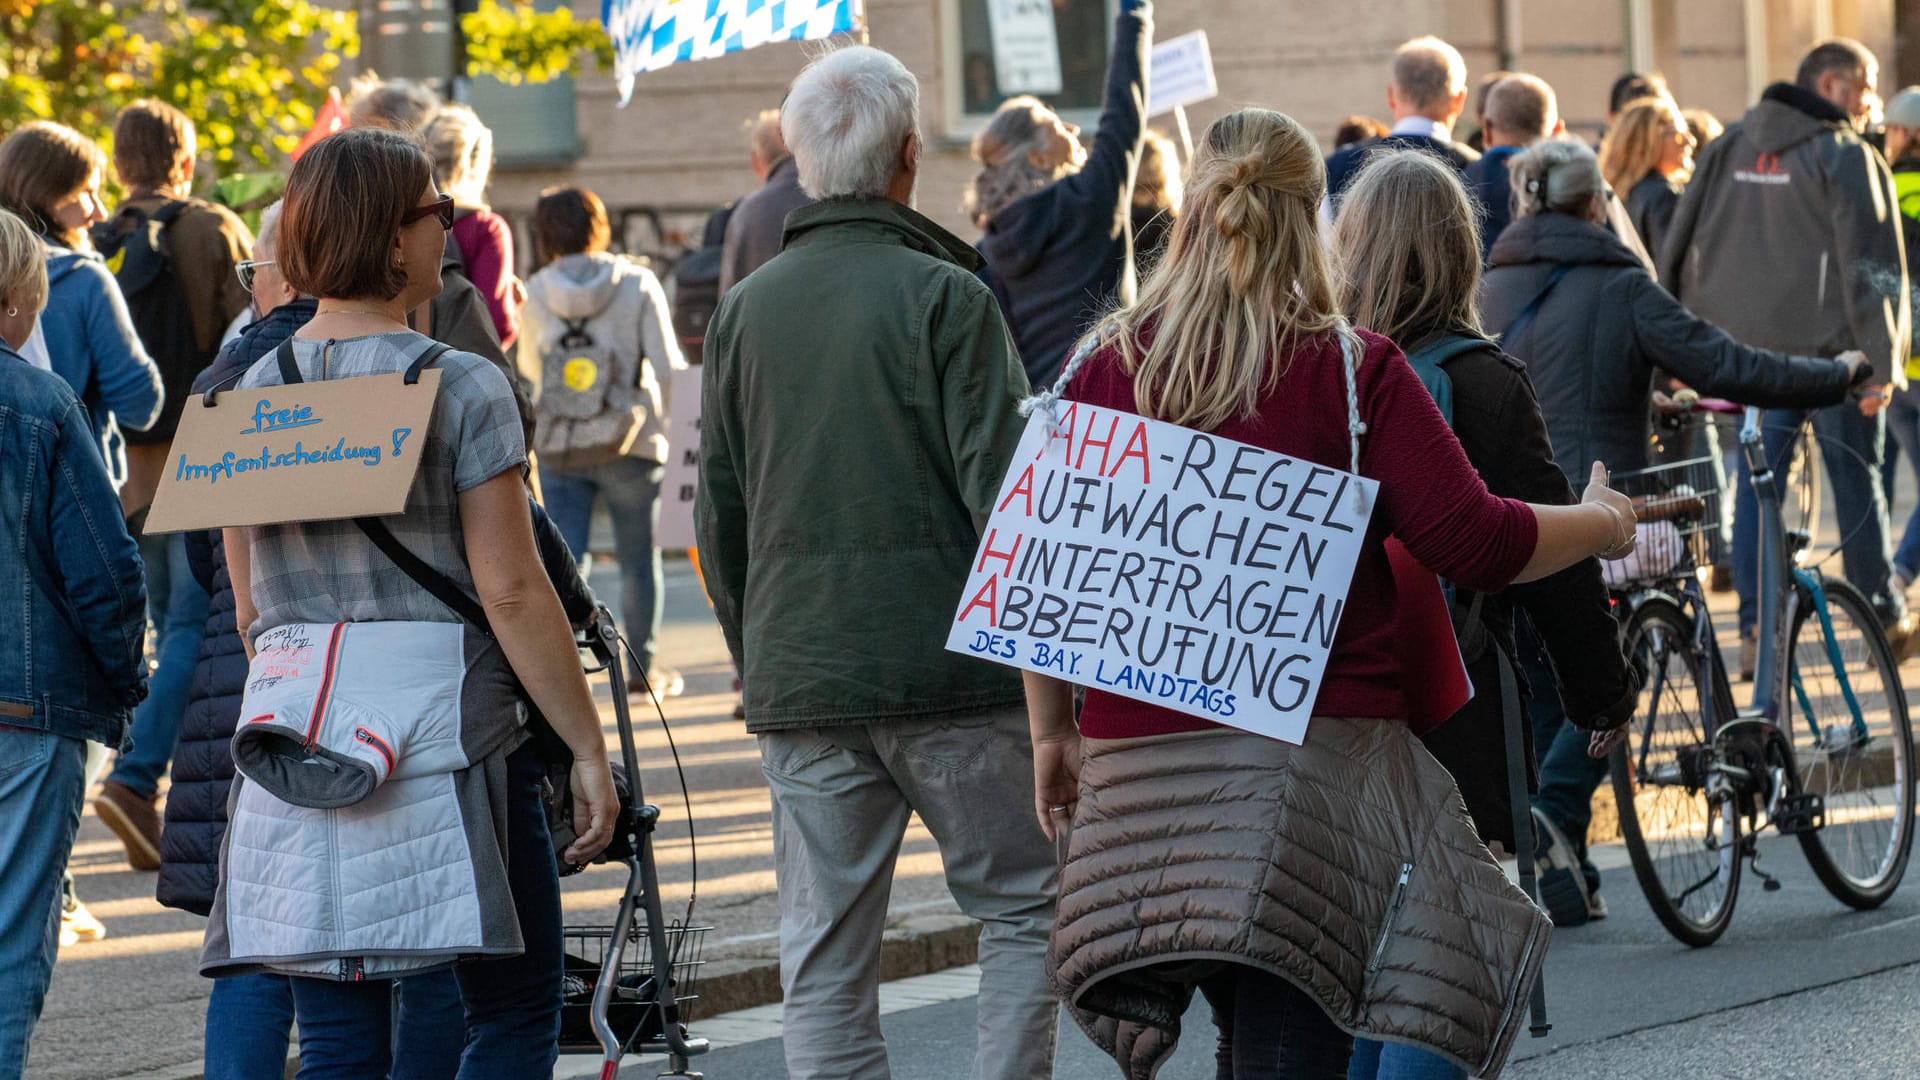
{"type": "Point", "coordinates": [332, 119]}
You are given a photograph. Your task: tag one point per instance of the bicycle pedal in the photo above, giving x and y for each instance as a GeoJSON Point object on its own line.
{"type": "Point", "coordinates": [1801, 814]}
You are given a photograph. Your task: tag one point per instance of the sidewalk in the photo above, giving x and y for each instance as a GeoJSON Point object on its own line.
{"type": "Point", "coordinates": [133, 1006]}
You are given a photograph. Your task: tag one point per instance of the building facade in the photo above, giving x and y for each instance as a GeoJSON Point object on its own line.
{"type": "Point", "coordinates": [679, 149]}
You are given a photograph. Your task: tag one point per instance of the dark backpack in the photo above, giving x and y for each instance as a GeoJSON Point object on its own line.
{"type": "Point", "coordinates": [1429, 361]}
{"type": "Point", "coordinates": [135, 242]}
{"type": "Point", "coordinates": [696, 286]}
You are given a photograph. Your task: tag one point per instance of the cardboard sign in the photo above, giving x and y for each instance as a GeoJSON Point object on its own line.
{"type": "Point", "coordinates": [1180, 73]}
{"type": "Point", "coordinates": [1026, 46]}
{"type": "Point", "coordinates": [1164, 564]}
{"type": "Point", "coordinates": [681, 482]}
{"type": "Point", "coordinates": [313, 451]}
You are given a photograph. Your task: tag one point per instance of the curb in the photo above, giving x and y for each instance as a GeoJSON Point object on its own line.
{"type": "Point", "coordinates": [914, 945]}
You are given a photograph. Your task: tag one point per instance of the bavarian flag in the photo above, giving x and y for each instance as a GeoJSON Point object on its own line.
{"type": "Point", "coordinates": [651, 34]}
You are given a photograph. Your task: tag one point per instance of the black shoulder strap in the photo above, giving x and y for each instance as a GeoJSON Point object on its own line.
{"type": "Point", "coordinates": [439, 585]}
{"type": "Point", "coordinates": [290, 370]}
{"type": "Point", "coordinates": [424, 575]}
{"type": "Point", "coordinates": [1527, 313]}
{"type": "Point", "coordinates": [167, 214]}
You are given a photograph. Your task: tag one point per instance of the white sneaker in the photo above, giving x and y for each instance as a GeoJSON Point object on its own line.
{"type": "Point", "coordinates": [77, 924]}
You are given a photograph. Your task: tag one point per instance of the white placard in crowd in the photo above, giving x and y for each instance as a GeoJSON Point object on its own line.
{"type": "Point", "coordinates": [1180, 73]}
{"type": "Point", "coordinates": [1167, 565]}
{"type": "Point", "coordinates": [1026, 46]}
{"type": "Point", "coordinates": [682, 480]}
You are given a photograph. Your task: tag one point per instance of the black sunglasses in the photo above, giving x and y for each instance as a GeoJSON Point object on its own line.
{"type": "Point", "coordinates": [245, 271]}
{"type": "Point", "coordinates": [442, 206]}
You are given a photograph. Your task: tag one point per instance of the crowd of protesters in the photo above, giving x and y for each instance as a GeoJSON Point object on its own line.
{"type": "Point", "coordinates": [1259, 289]}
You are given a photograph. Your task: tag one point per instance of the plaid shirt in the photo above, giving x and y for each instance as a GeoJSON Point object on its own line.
{"type": "Point", "coordinates": [328, 571]}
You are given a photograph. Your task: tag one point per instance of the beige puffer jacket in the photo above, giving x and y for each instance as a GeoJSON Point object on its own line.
{"type": "Point", "coordinates": [1347, 866]}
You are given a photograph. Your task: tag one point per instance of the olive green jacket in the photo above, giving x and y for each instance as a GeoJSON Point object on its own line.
{"type": "Point", "coordinates": [859, 412]}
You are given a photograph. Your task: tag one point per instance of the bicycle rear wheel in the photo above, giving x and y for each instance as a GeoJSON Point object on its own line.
{"type": "Point", "coordinates": [1685, 844]}
{"type": "Point", "coordinates": [1853, 746]}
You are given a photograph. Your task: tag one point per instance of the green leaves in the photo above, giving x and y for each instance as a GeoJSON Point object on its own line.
{"type": "Point", "coordinates": [249, 72]}
{"type": "Point", "coordinates": [519, 43]}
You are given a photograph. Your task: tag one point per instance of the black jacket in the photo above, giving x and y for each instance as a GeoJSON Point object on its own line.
{"type": "Point", "coordinates": [202, 762]}
{"type": "Point", "coordinates": [460, 318]}
{"type": "Point", "coordinates": [1059, 257]}
{"type": "Point", "coordinates": [1491, 181]}
{"type": "Point", "coordinates": [1788, 237]}
{"type": "Point", "coordinates": [1499, 425]}
{"type": "Point", "coordinates": [1650, 206]}
{"type": "Point", "coordinates": [1344, 164]}
{"type": "Point", "coordinates": [1592, 347]}
{"type": "Point", "coordinates": [758, 223]}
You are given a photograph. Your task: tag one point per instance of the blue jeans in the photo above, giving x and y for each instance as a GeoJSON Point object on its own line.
{"type": "Point", "coordinates": [511, 1004]}
{"type": "Point", "coordinates": [1859, 502]}
{"type": "Point", "coordinates": [631, 487]}
{"type": "Point", "coordinates": [250, 1023]}
{"type": "Point", "coordinates": [42, 780]}
{"type": "Point", "coordinates": [177, 606]}
{"type": "Point", "coordinates": [1568, 777]}
{"type": "Point", "coordinates": [1903, 426]}
{"type": "Point", "coordinates": [1394, 1061]}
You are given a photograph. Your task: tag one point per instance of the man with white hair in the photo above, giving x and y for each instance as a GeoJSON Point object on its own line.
{"type": "Point", "coordinates": [860, 410]}
{"type": "Point", "coordinates": [1426, 94]}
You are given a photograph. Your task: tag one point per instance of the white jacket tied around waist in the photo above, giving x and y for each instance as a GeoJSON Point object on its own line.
{"type": "Point", "coordinates": [366, 833]}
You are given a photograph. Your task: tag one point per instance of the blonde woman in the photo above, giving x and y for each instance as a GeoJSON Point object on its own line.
{"type": "Point", "coordinates": [462, 151]}
{"type": "Point", "coordinates": [1646, 159]}
{"type": "Point", "coordinates": [1262, 872]}
{"type": "Point", "coordinates": [1409, 252]}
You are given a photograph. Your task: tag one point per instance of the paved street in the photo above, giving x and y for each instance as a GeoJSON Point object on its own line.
{"type": "Point", "coordinates": [146, 966]}
{"type": "Point", "coordinates": [1800, 988]}
{"type": "Point", "coordinates": [1816, 991]}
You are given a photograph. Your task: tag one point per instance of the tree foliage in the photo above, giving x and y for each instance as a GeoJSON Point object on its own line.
{"type": "Point", "coordinates": [518, 43]}
{"type": "Point", "coordinates": [251, 73]}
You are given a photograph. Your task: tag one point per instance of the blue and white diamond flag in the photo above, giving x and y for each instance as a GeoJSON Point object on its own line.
{"type": "Point", "coordinates": [651, 34]}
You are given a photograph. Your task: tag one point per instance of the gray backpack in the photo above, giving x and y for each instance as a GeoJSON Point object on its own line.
{"type": "Point", "coordinates": [585, 415]}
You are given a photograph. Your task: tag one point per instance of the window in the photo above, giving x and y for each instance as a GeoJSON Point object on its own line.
{"type": "Point", "coordinates": [1082, 29]}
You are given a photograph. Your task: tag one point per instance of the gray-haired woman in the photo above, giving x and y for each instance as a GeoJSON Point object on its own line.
{"type": "Point", "coordinates": [1570, 300]}
{"type": "Point", "coordinates": [1057, 244]}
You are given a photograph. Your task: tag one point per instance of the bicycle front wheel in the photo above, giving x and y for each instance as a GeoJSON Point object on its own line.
{"type": "Point", "coordinates": [1852, 746]}
{"type": "Point", "coordinates": [1684, 843]}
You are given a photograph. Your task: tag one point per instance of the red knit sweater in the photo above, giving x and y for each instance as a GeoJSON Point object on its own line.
{"type": "Point", "coordinates": [1430, 497]}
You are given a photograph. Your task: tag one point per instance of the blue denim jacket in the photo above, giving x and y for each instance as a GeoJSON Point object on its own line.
{"type": "Point", "coordinates": [72, 601]}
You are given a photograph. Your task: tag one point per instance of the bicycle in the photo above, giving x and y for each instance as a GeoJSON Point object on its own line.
{"type": "Point", "coordinates": [1823, 753]}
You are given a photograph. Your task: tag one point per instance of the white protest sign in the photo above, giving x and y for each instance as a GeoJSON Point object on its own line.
{"type": "Point", "coordinates": [314, 451]}
{"type": "Point", "coordinates": [1180, 73]}
{"type": "Point", "coordinates": [682, 480]}
{"type": "Point", "coordinates": [1167, 565]}
{"type": "Point", "coordinates": [1026, 46]}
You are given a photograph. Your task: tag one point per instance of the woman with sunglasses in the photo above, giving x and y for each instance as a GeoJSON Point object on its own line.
{"type": "Point", "coordinates": [362, 230]}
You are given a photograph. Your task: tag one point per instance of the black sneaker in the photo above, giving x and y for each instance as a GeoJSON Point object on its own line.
{"type": "Point", "coordinates": [1563, 887]}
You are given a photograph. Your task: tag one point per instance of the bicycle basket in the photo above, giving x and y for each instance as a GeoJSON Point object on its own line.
{"type": "Point", "coordinates": [1680, 509]}
{"type": "Point", "coordinates": [633, 1012]}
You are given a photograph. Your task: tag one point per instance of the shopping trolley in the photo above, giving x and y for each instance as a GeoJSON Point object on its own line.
{"type": "Point", "coordinates": [628, 984]}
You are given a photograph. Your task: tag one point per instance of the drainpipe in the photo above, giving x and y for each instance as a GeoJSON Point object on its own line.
{"type": "Point", "coordinates": [1506, 21]}
{"type": "Point", "coordinates": [1757, 48]}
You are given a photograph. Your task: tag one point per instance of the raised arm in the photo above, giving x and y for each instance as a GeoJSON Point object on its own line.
{"type": "Point", "coordinates": [1108, 173]}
